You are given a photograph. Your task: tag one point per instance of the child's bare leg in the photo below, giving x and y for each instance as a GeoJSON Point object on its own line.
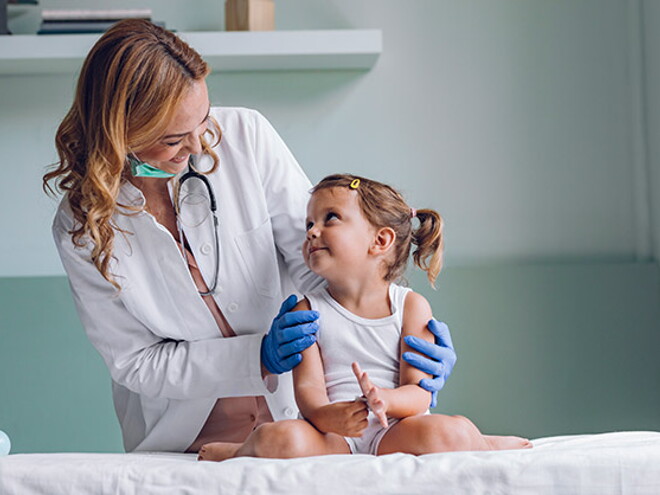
{"type": "Point", "coordinates": [218, 451]}
{"type": "Point", "coordinates": [279, 440]}
{"type": "Point", "coordinates": [498, 442]}
{"type": "Point", "coordinates": [433, 433]}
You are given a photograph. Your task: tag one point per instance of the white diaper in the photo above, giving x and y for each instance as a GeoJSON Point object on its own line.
{"type": "Point", "coordinates": [371, 436]}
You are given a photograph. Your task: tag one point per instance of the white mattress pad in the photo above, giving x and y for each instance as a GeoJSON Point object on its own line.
{"type": "Point", "coordinates": [609, 463]}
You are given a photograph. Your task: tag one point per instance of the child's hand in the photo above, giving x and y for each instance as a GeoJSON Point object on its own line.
{"type": "Point", "coordinates": [347, 419]}
{"type": "Point", "coordinates": [372, 394]}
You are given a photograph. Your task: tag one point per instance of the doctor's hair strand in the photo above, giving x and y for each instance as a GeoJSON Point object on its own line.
{"type": "Point", "coordinates": [129, 87]}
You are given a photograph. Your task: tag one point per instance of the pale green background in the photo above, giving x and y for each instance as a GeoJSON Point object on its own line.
{"type": "Point", "coordinates": [531, 125]}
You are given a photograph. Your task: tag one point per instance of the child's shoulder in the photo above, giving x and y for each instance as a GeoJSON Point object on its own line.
{"type": "Point", "coordinates": [416, 303]}
{"type": "Point", "coordinates": [316, 296]}
{"type": "Point", "coordinates": [416, 313]}
{"type": "Point", "coordinates": [303, 305]}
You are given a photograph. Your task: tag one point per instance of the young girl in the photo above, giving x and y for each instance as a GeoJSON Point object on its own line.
{"type": "Point", "coordinates": [359, 237]}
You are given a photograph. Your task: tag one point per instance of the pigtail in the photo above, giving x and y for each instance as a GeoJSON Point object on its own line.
{"type": "Point", "coordinates": [430, 243]}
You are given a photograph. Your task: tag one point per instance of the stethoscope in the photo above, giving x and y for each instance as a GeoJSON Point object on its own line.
{"type": "Point", "coordinates": [189, 177]}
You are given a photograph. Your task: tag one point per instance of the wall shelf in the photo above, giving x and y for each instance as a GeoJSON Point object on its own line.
{"type": "Point", "coordinates": [224, 51]}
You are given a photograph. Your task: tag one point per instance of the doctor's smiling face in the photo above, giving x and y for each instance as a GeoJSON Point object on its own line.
{"type": "Point", "coordinates": [182, 136]}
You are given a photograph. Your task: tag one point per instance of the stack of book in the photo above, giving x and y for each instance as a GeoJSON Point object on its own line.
{"type": "Point", "coordinates": [86, 21]}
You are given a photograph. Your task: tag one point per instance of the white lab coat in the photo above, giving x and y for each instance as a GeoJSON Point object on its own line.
{"type": "Point", "coordinates": [166, 356]}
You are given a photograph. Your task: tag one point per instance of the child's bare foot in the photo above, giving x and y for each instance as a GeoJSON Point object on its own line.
{"type": "Point", "coordinates": [217, 451]}
{"type": "Point", "coordinates": [507, 443]}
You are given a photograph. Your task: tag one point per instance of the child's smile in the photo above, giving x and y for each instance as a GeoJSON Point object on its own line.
{"type": "Point", "coordinates": [314, 249]}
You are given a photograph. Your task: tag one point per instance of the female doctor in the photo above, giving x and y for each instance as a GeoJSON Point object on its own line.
{"type": "Point", "coordinates": [180, 231]}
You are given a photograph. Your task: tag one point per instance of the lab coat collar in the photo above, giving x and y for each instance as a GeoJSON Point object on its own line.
{"type": "Point", "coordinates": [130, 195]}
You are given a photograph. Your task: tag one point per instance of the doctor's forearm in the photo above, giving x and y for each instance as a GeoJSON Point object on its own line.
{"type": "Point", "coordinates": [192, 370]}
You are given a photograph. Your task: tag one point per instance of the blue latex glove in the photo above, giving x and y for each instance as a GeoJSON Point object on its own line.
{"type": "Point", "coordinates": [438, 359]}
{"type": "Point", "coordinates": [289, 335]}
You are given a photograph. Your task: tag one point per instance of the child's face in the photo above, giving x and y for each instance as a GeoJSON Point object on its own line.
{"type": "Point", "coordinates": [338, 235]}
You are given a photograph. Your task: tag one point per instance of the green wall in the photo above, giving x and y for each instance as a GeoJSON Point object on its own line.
{"type": "Point", "coordinates": [553, 349]}
{"type": "Point", "coordinates": [543, 350]}
{"type": "Point", "coordinates": [54, 388]}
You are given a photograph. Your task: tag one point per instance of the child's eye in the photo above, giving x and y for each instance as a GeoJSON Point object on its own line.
{"type": "Point", "coordinates": [331, 216]}
{"type": "Point", "coordinates": [309, 226]}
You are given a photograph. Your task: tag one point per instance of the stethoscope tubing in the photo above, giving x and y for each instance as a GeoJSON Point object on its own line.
{"type": "Point", "coordinates": [192, 173]}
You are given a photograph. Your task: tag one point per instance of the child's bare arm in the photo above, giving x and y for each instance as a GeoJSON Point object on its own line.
{"type": "Point", "coordinates": [308, 381]}
{"type": "Point", "coordinates": [343, 418]}
{"type": "Point", "coordinates": [416, 315]}
{"type": "Point", "coordinates": [410, 399]}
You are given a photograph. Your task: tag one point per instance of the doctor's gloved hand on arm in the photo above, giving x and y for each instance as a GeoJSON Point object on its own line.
{"type": "Point", "coordinates": [289, 335]}
{"type": "Point", "coordinates": [438, 359]}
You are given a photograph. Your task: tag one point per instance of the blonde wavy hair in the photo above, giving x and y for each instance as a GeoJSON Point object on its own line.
{"type": "Point", "coordinates": [129, 87]}
{"type": "Point", "coordinates": [383, 206]}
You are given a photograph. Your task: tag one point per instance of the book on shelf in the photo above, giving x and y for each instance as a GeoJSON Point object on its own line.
{"type": "Point", "coordinates": [86, 21]}
{"type": "Point", "coordinates": [74, 27]}
{"type": "Point", "coordinates": [94, 15]}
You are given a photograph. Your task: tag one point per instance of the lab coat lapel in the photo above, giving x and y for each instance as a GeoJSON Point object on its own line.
{"type": "Point", "coordinates": [181, 312]}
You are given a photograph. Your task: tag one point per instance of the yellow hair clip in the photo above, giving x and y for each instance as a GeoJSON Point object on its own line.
{"type": "Point", "coordinates": [355, 184]}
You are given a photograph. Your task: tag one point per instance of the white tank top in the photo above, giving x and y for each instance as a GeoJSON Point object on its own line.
{"type": "Point", "coordinates": [344, 337]}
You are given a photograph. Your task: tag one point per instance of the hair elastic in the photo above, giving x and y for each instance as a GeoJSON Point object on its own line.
{"type": "Point", "coordinates": [355, 184]}
{"type": "Point", "coordinates": [413, 213]}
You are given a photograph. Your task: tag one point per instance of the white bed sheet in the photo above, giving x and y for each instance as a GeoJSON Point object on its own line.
{"type": "Point", "coordinates": [609, 463]}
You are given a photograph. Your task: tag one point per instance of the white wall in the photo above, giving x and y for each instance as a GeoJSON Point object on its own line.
{"type": "Point", "coordinates": [515, 119]}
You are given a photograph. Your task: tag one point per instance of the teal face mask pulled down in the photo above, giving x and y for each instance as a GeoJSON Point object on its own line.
{"type": "Point", "coordinates": [142, 169]}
